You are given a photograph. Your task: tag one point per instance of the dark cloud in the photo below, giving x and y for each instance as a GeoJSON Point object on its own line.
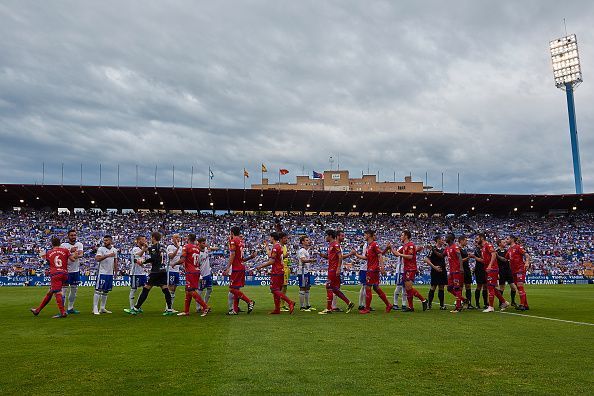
{"type": "Point", "coordinates": [455, 87]}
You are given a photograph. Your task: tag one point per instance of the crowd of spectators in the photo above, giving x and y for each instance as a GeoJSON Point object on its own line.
{"type": "Point", "coordinates": [558, 245]}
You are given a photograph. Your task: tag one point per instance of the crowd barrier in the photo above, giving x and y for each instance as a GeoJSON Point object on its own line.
{"type": "Point", "coordinates": [265, 280]}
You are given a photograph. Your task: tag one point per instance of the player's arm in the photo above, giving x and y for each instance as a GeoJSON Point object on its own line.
{"type": "Point", "coordinates": [323, 255]}
{"type": "Point", "coordinates": [359, 256]}
{"type": "Point", "coordinates": [437, 253]}
{"type": "Point", "coordinates": [115, 265]}
{"type": "Point", "coordinates": [493, 260]}
{"type": "Point", "coordinates": [406, 256]}
{"type": "Point", "coordinates": [231, 259]}
{"type": "Point", "coordinates": [387, 249]}
{"type": "Point", "coordinates": [435, 267]}
{"type": "Point", "coordinates": [101, 257]}
{"type": "Point", "coordinates": [460, 256]}
{"type": "Point", "coordinates": [173, 253]}
{"type": "Point", "coordinates": [381, 263]}
{"type": "Point", "coordinates": [527, 261]}
{"type": "Point", "coordinates": [502, 258]}
{"type": "Point", "coordinates": [271, 257]}
{"type": "Point", "coordinates": [182, 258]}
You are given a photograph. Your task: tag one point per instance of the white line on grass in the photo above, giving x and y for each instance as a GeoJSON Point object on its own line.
{"type": "Point", "coordinates": [545, 318]}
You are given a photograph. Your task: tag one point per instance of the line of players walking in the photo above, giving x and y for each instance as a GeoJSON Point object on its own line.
{"type": "Point", "coordinates": [449, 262]}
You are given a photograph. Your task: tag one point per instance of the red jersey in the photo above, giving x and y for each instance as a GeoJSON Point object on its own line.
{"type": "Point", "coordinates": [373, 252]}
{"type": "Point", "coordinates": [333, 256]}
{"type": "Point", "coordinates": [409, 249]}
{"type": "Point", "coordinates": [515, 255]}
{"type": "Point", "coordinates": [58, 260]}
{"type": "Point", "coordinates": [452, 253]}
{"type": "Point", "coordinates": [277, 254]}
{"type": "Point", "coordinates": [191, 253]}
{"type": "Point", "coordinates": [236, 246]}
{"type": "Point", "coordinates": [486, 251]}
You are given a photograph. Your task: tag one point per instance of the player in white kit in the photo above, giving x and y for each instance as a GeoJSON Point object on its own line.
{"type": "Point", "coordinates": [138, 274]}
{"type": "Point", "coordinates": [205, 288]}
{"type": "Point", "coordinates": [76, 251]}
{"type": "Point", "coordinates": [304, 272]}
{"type": "Point", "coordinates": [174, 253]}
{"type": "Point", "coordinates": [107, 259]}
{"type": "Point", "coordinates": [362, 279]}
{"type": "Point", "coordinates": [398, 281]}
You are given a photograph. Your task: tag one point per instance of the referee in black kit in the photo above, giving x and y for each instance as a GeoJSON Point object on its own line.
{"type": "Point", "coordinates": [157, 277]}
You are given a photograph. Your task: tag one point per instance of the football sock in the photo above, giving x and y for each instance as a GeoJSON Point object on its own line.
{"type": "Point", "coordinates": [187, 301]}
{"type": "Point", "coordinates": [132, 293]}
{"type": "Point", "coordinates": [207, 294]}
{"type": "Point", "coordinates": [230, 300]}
{"type": "Point", "coordinates": [469, 296]}
{"type": "Point", "coordinates": [404, 296]}
{"type": "Point", "coordinates": [368, 297]}
{"type": "Point", "coordinates": [60, 301]}
{"type": "Point", "coordinates": [103, 300]}
{"type": "Point", "coordinates": [329, 298]}
{"type": "Point", "coordinates": [167, 294]}
{"type": "Point", "coordinates": [431, 295]}
{"type": "Point", "coordinates": [523, 298]}
{"type": "Point", "coordinates": [362, 296]}
{"type": "Point", "coordinates": [307, 298]}
{"type": "Point", "coordinates": [485, 297]}
{"type": "Point", "coordinates": [382, 295]}
{"type": "Point", "coordinates": [477, 297]}
{"type": "Point", "coordinates": [334, 300]}
{"type": "Point", "coordinates": [499, 296]}
{"type": "Point", "coordinates": [198, 299]}
{"type": "Point", "coordinates": [397, 291]}
{"type": "Point", "coordinates": [72, 296]}
{"type": "Point", "coordinates": [143, 295]}
{"type": "Point", "coordinates": [282, 296]}
{"type": "Point", "coordinates": [302, 298]}
{"type": "Point", "coordinates": [338, 293]}
{"type": "Point", "coordinates": [96, 298]}
{"type": "Point", "coordinates": [45, 301]}
{"type": "Point", "coordinates": [172, 297]}
{"type": "Point", "coordinates": [513, 296]}
{"type": "Point", "coordinates": [276, 302]}
{"type": "Point", "coordinates": [441, 296]}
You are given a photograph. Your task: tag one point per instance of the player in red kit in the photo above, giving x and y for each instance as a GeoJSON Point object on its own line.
{"type": "Point", "coordinates": [190, 258]}
{"type": "Point", "coordinates": [408, 252]}
{"type": "Point", "coordinates": [334, 257]}
{"type": "Point", "coordinates": [375, 266]}
{"type": "Point", "coordinates": [277, 275]}
{"type": "Point", "coordinates": [519, 261]}
{"type": "Point", "coordinates": [58, 258]}
{"type": "Point", "coordinates": [236, 270]}
{"type": "Point", "coordinates": [489, 257]}
{"type": "Point", "coordinates": [456, 277]}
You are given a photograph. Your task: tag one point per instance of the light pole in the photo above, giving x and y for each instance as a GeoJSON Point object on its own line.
{"type": "Point", "coordinates": [568, 75]}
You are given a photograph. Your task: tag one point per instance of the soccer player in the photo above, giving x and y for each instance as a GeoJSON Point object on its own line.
{"type": "Point", "coordinates": [439, 273]}
{"type": "Point", "coordinates": [205, 289]}
{"type": "Point", "coordinates": [236, 270]}
{"type": "Point", "coordinates": [58, 258]}
{"type": "Point", "coordinates": [107, 259]}
{"type": "Point", "coordinates": [174, 252]}
{"type": "Point", "coordinates": [489, 257]}
{"type": "Point", "coordinates": [137, 271]}
{"type": "Point", "coordinates": [398, 279]}
{"type": "Point", "coordinates": [157, 276]}
{"type": "Point", "coordinates": [76, 251]}
{"type": "Point", "coordinates": [462, 243]}
{"type": "Point", "coordinates": [519, 262]}
{"type": "Point", "coordinates": [375, 266]}
{"type": "Point", "coordinates": [481, 277]}
{"type": "Point", "coordinates": [277, 274]}
{"type": "Point", "coordinates": [284, 239]}
{"type": "Point", "coordinates": [190, 257]}
{"type": "Point", "coordinates": [340, 236]}
{"type": "Point", "coordinates": [408, 252]}
{"type": "Point", "coordinates": [305, 276]}
{"type": "Point", "coordinates": [362, 278]}
{"type": "Point", "coordinates": [505, 272]}
{"type": "Point", "coordinates": [455, 279]}
{"type": "Point", "coordinates": [334, 257]}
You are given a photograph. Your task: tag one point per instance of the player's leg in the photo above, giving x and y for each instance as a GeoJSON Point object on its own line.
{"type": "Point", "coordinates": [167, 295]}
{"type": "Point", "coordinates": [431, 295]}
{"type": "Point", "coordinates": [513, 292]}
{"type": "Point", "coordinates": [60, 303]}
{"type": "Point", "coordinates": [98, 293]}
{"type": "Point", "coordinates": [519, 279]}
{"type": "Point", "coordinates": [46, 299]}
{"type": "Point", "coordinates": [73, 281]}
{"type": "Point", "coordinates": [133, 289]}
{"type": "Point", "coordinates": [441, 296]}
{"type": "Point", "coordinates": [411, 292]}
{"type": "Point", "coordinates": [378, 290]}
{"type": "Point", "coordinates": [143, 295]}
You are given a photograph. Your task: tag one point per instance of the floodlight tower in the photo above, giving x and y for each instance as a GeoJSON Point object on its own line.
{"type": "Point", "coordinates": [568, 75]}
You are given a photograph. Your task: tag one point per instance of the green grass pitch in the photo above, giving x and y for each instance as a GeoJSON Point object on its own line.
{"type": "Point", "coordinates": [306, 353]}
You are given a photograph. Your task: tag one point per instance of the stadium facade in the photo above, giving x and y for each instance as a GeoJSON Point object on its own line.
{"type": "Point", "coordinates": [299, 201]}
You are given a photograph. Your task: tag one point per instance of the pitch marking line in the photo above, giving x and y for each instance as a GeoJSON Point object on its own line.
{"type": "Point", "coordinates": [545, 318]}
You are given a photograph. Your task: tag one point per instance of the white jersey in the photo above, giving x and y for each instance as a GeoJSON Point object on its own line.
{"type": "Point", "coordinates": [73, 266]}
{"type": "Point", "coordinates": [303, 254]}
{"type": "Point", "coordinates": [399, 267]}
{"type": "Point", "coordinates": [106, 266]}
{"type": "Point", "coordinates": [205, 269]}
{"type": "Point", "coordinates": [174, 262]}
{"type": "Point", "coordinates": [363, 265]}
{"type": "Point", "coordinates": [137, 262]}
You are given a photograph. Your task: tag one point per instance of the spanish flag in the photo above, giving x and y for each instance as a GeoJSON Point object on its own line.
{"type": "Point", "coordinates": [245, 173]}
{"type": "Point", "coordinates": [283, 171]}
{"type": "Point", "coordinates": [264, 168]}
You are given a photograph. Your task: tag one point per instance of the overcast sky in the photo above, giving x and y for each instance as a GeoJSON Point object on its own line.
{"type": "Point", "coordinates": [417, 86]}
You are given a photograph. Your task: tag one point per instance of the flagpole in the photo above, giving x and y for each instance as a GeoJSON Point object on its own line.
{"type": "Point", "coordinates": [42, 173]}
{"type": "Point", "coordinates": [173, 177]}
{"type": "Point", "coordinates": [118, 175]}
{"type": "Point", "coordinates": [99, 175]}
{"type": "Point", "coordinates": [62, 182]}
{"type": "Point", "coordinates": [192, 178]}
{"type": "Point", "coordinates": [209, 172]}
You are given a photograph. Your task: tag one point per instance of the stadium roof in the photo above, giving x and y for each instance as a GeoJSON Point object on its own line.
{"type": "Point", "coordinates": [169, 198]}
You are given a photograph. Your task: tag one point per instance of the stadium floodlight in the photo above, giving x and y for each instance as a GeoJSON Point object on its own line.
{"type": "Point", "coordinates": [567, 73]}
